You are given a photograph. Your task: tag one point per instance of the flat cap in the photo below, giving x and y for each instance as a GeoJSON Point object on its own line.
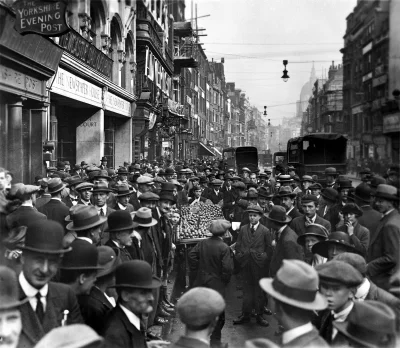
{"type": "Point", "coordinates": [239, 185]}
{"type": "Point", "coordinates": [217, 182]}
{"type": "Point", "coordinates": [145, 180]}
{"type": "Point", "coordinates": [356, 260]}
{"type": "Point", "coordinates": [84, 186]}
{"type": "Point", "coordinates": [309, 198]}
{"type": "Point", "coordinates": [20, 190]}
{"type": "Point", "coordinates": [148, 196]}
{"type": "Point", "coordinates": [253, 208]}
{"type": "Point", "coordinates": [335, 272]}
{"type": "Point", "coordinates": [199, 306]}
{"type": "Point", "coordinates": [218, 227]}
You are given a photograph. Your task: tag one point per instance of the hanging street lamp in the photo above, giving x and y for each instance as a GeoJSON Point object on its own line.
{"type": "Point", "coordinates": [285, 76]}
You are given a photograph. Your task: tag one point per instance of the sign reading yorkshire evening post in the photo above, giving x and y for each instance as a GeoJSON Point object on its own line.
{"type": "Point", "coordinates": [47, 18]}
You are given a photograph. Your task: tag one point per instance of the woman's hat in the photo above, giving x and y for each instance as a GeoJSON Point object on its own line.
{"type": "Point", "coordinates": [84, 256]}
{"type": "Point", "coordinates": [55, 185]}
{"type": "Point", "coordinates": [143, 217]}
{"type": "Point", "coordinates": [330, 194]}
{"type": "Point", "coordinates": [85, 217]}
{"type": "Point", "coordinates": [296, 283]}
{"type": "Point", "coordinates": [119, 220]}
{"type": "Point", "coordinates": [315, 230]}
{"type": "Point", "coordinates": [122, 190]}
{"type": "Point", "coordinates": [352, 208]}
{"type": "Point", "coordinates": [9, 290]}
{"type": "Point", "coordinates": [45, 237]}
{"type": "Point", "coordinates": [388, 192]}
{"type": "Point", "coordinates": [278, 214]}
{"type": "Point", "coordinates": [369, 323]}
{"type": "Point", "coordinates": [99, 187]}
{"type": "Point", "coordinates": [108, 260]}
{"type": "Point", "coordinates": [135, 274]}
{"type": "Point", "coordinates": [219, 227]}
{"type": "Point", "coordinates": [336, 238]}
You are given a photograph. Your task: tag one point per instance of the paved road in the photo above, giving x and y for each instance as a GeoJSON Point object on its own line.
{"type": "Point", "coordinates": [234, 335]}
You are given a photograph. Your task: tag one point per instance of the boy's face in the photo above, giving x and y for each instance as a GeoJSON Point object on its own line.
{"type": "Point", "coordinates": [175, 218]}
{"type": "Point", "coordinates": [337, 295]}
{"type": "Point", "coordinates": [254, 218]}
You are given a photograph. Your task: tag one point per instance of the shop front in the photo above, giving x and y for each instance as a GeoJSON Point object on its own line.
{"type": "Point", "coordinates": [391, 128]}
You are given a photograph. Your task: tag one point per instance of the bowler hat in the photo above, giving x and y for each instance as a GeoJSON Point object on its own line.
{"type": "Point", "coordinates": [169, 171]}
{"type": "Point", "coordinates": [55, 185]}
{"type": "Point", "coordinates": [102, 174]}
{"type": "Point", "coordinates": [352, 208]}
{"type": "Point", "coordinates": [331, 171]}
{"type": "Point", "coordinates": [355, 260]}
{"type": "Point", "coordinates": [253, 208]}
{"type": "Point", "coordinates": [85, 217]}
{"type": "Point", "coordinates": [286, 191]}
{"type": "Point", "coordinates": [219, 227]}
{"type": "Point", "coordinates": [120, 220]}
{"type": "Point", "coordinates": [148, 196]}
{"type": "Point", "coordinates": [200, 306]}
{"type": "Point", "coordinates": [9, 290]}
{"type": "Point", "coordinates": [387, 192]}
{"type": "Point", "coordinates": [100, 187]}
{"type": "Point", "coordinates": [315, 230]}
{"type": "Point", "coordinates": [135, 274]}
{"type": "Point", "coordinates": [143, 217]}
{"type": "Point", "coordinates": [335, 238]}
{"type": "Point", "coordinates": [60, 165]}
{"type": "Point", "coordinates": [345, 184]}
{"type": "Point", "coordinates": [307, 178]}
{"type": "Point", "coordinates": [84, 256]}
{"type": "Point", "coordinates": [168, 187]}
{"type": "Point", "coordinates": [46, 237]}
{"type": "Point", "coordinates": [309, 198]}
{"type": "Point", "coordinates": [334, 272]}
{"type": "Point", "coordinates": [363, 192]}
{"type": "Point", "coordinates": [122, 190]}
{"type": "Point", "coordinates": [278, 214]}
{"type": "Point", "coordinates": [330, 194]}
{"type": "Point", "coordinates": [108, 260]}
{"type": "Point", "coordinates": [104, 159]}
{"type": "Point", "coordinates": [369, 324]}
{"type": "Point", "coordinates": [296, 284]}
{"type": "Point", "coordinates": [122, 171]}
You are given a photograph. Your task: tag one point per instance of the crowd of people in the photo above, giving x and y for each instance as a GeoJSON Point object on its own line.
{"type": "Point", "coordinates": [88, 251]}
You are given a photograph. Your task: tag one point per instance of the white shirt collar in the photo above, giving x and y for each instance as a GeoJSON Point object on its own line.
{"type": "Point", "coordinates": [110, 299]}
{"type": "Point", "coordinates": [85, 202]}
{"type": "Point", "coordinates": [56, 198]}
{"type": "Point", "coordinates": [31, 292]}
{"type": "Point", "coordinates": [121, 206]}
{"type": "Point", "coordinates": [312, 219]}
{"type": "Point", "coordinates": [341, 317]}
{"type": "Point", "coordinates": [27, 204]}
{"type": "Point", "coordinates": [292, 334]}
{"type": "Point", "coordinates": [134, 320]}
{"type": "Point", "coordinates": [117, 244]}
{"type": "Point", "coordinates": [255, 226]}
{"type": "Point", "coordinates": [86, 239]}
{"type": "Point", "coordinates": [281, 229]}
{"type": "Point", "coordinates": [363, 290]}
{"type": "Point", "coordinates": [104, 207]}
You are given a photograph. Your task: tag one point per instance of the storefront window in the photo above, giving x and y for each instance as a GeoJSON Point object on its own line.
{"type": "Point", "coordinates": [109, 139]}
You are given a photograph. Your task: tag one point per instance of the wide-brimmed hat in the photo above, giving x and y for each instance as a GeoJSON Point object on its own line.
{"type": "Point", "coordinates": [369, 323]}
{"type": "Point", "coordinates": [253, 208]}
{"type": "Point", "coordinates": [122, 190]}
{"type": "Point", "coordinates": [102, 174]}
{"type": "Point", "coordinates": [363, 192]}
{"type": "Point", "coordinates": [296, 284]}
{"type": "Point", "coordinates": [135, 274]}
{"type": "Point", "coordinates": [108, 260]}
{"type": "Point", "coordinates": [339, 272]}
{"type": "Point", "coordinates": [9, 290]}
{"type": "Point", "coordinates": [315, 230]}
{"type": "Point", "coordinates": [278, 214]}
{"type": "Point", "coordinates": [388, 192]}
{"type": "Point", "coordinates": [143, 217]}
{"type": "Point", "coordinates": [84, 256]}
{"type": "Point", "coordinates": [149, 196]}
{"type": "Point", "coordinates": [352, 208]}
{"type": "Point", "coordinates": [219, 227]}
{"type": "Point", "coordinates": [74, 180]}
{"type": "Point", "coordinates": [331, 171]}
{"type": "Point", "coordinates": [284, 178]}
{"type": "Point", "coordinates": [72, 211]}
{"type": "Point", "coordinates": [85, 217]}
{"type": "Point", "coordinates": [330, 194]}
{"type": "Point", "coordinates": [336, 238]}
{"type": "Point", "coordinates": [307, 178]}
{"type": "Point", "coordinates": [55, 185]}
{"type": "Point", "coordinates": [101, 187]}
{"type": "Point", "coordinates": [286, 191]}
{"type": "Point", "coordinates": [46, 237]}
{"type": "Point", "coordinates": [120, 220]}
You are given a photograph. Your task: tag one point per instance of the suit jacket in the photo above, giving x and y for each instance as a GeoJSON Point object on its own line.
{"type": "Point", "coordinates": [299, 224]}
{"type": "Point", "coordinates": [59, 298]}
{"type": "Point", "coordinates": [124, 255]}
{"type": "Point", "coordinates": [68, 202]}
{"type": "Point", "coordinates": [134, 201]}
{"type": "Point", "coordinates": [294, 213]}
{"type": "Point", "coordinates": [213, 261]}
{"type": "Point", "coordinates": [286, 248]}
{"type": "Point", "coordinates": [129, 207]}
{"type": "Point", "coordinates": [104, 234]}
{"type": "Point", "coordinates": [331, 215]}
{"type": "Point", "coordinates": [370, 219]}
{"type": "Point", "coordinates": [310, 339]}
{"type": "Point", "coordinates": [119, 332]}
{"type": "Point", "coordinates": [55, 210]}
{"type": "Point", "coordinates": [189, 342]}
{"type": "Point", "coordinates": [42, 200]}
{"type": "Point", "coordinates": [384, 250]}
{"type": "Point", "coordinates": [255, 248]}
{"type": "Point", "coordinates": [325, 330]}
{"type": "Point", "coordinates": [212, 196]}
{"type": "Point", "coordinates": [360, 237]}
{"type": "Point", "coordinates": [24, 216]}
{"type": "Point", "coordinates": [94, 309]}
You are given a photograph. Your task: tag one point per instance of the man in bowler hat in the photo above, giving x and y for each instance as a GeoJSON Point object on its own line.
{"type": "Point", "coordinates": [49, 304]}
{"type": "Point", "coordinates": [294, 289]}
{"type": "Point", "coordinates": [213, 261]}
{"type": "Point", "coordinates": [199, 310]}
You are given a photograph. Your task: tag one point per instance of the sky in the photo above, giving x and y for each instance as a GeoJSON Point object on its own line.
{"type": "Point", "coordinates": [255, 36]}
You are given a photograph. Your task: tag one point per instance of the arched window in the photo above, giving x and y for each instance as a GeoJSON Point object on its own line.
{"type": "Point", "coordinates": [98, 21]}
{"type": "Point", "coordinates": [127, 75]}
{"type": "Point", "coordinates": [115, 40]}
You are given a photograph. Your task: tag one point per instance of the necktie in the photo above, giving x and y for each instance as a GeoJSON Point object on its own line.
{"type": "Point", "coordinates": [101, 212]}
{"type": "Point", "coordinates": [39, 307]}
{"type": "Point", "coordinates": [308, 221]}
{"type": "Point", "coordinates": [252, 230]}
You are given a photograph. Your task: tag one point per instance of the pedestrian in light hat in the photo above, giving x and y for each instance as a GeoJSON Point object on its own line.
{"type": "Point", "coordinates": [296, 297]}
{"type": "Point", "coordinates": [200, 310]}
{"type": "Point", "coordinates": [123, 194]}
{"type": "Point", "coordinates": [212, 260]}
{"type": "Point", "coordinates": [85, 193]}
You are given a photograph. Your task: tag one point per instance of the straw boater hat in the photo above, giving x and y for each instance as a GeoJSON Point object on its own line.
{"type": "Point", "coordinates": [296, 283]}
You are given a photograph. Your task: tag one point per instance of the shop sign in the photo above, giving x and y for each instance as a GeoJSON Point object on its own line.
{"type": "Point", "coordinates": [116, 104]}
{"type": "Point", "coordinates": [16, 79]}
{"type": "Point", "coordinates": [377, 129]}
{"type": "Point", "coordinates": [391, 123]}
{"type": "Point", "coordinates": [366, 138]}
{"type": "Point", "coordinates": [367, 77]}
{"type": "Point", "coordinates": [379, 80]}
{"type": "Point", "coordinates": [357, 109]}
{"type": "Point", "coordinates": [379, 140]}
{"type": "Point", "coordinates": [76, 88]}
{"type": "Point", "coordinates": [47, 18]}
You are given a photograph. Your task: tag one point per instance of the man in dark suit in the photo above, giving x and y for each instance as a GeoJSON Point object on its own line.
{"type": "Point", "coordinates": [26, 214]}
{"type": "Point", "coordinates": [288, 198]}
{"type": "Point", "coordinates": [49, 304]}
{"type": "Point", "coordinates": [134, 283]}
{"type": "Point", "coordinates": [310, 207]}
{"type": "Point", "coordinates": [73, 196]}
{"type": "Point", "coordinates": [195, 196]}
{"type": "Point", "coordinates": [100, 195]}
{"type": "Point", "coordinates": [215, 194]}
{"type": "Point", "coordinates": [295, 312]}
{"type": "Point", "coordinates": [55, 209]}
{"type": "Point", "coordinates": [384, 251]}
{"type": "Point", "coordinates": [85, 192]}
{"type": "Point", "coordinates": [123, 194]}
{"type": "Point", "coordinates": [253, 250]}
{"type": "Point", "coordinates": [285, 238]}
{"type": "Point", "coordinates": [329, 210]}
{"type": "Point", "coordinates": [144, 184]}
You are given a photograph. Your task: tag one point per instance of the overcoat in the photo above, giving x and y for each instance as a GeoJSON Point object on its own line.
{"type": "Point", "coordinates": [299, 224]}
{"type": "Point", "coordinates": [55, 210]}
{"type": "Point", "coordinates": [24, 216]}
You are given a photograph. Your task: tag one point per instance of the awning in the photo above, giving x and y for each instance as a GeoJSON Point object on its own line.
{"type": "Point", "coordinates": [204, 150]}
{"type": "Point", "coordinates": [216, 151]}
